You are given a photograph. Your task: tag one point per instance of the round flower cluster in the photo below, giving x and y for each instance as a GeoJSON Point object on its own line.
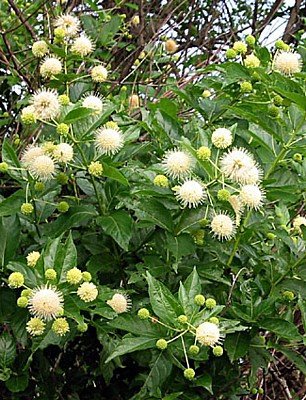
{"type": "Point", "coordinates": [109, 140]}
{"type": "Point", "coordinates": [287, 62]}
{"type": "Point", "coordinates": [120, 303]}
{"type": "Point", "coordinates": [208, 334]}
{"type": "Point", "coordinates": [177, 164]}
{"type": "Point", "coordinates": [222, 138]}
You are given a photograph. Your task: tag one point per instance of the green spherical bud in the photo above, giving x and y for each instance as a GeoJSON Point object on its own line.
{"type": "Point", "coordinates": [39, 186]}
{"type": "Point", "coordinates": [199, 300]}
{"type": "Point", "coordinates": [271, 236]}
{"type": "Point", "coordinates": [214, 320]}
{"type": "Point", "coordinates": [203, 153]}
{"type": "Point", "coordinates": [189, 374]}
{"type": "Point", "coordinates": [198, 237]}
{"type": "Point", "coordinates": [161, 181]}
{"type": "Point", "coordinates": [63, 206]}
{"type": "Point", "coordinates": [95, 168]}
{"type": "Point", "coordinates": [63, 100]}
{"type": "Point", "coordinates": [288, 295]}
{"type": "Point", "coordinates": [62, 178]}
{"type": "Point", "coordinates": [217, 351]}
{"type": "Point", "coordinates": [3, 167]}
{"type": "Point", "coordinates": [210, 303]}
{"type": "Point", "coordinates": [260, 391]}
{"type": "Point", "coordinates": [273, 111]}
{"type": "Point", "coordinates": [50, 274]}
{"type": "Point", "coordinates": [143, 313]}
{"type": "Point", "coordinates": [297, 157]}
{"type": "Point", "coordinates": [161, 344]}
{"type": "Point", "coordinates": [203, 222]}
{"type": "Point", "coordinates": [250, 40]}
{"type": "Point", "coordinates": [182, 319]}
{"type": "Point", "coordinates": [123, 88]}
{"type": "Point", "coordinates": [206, 94]}
{"type": "Point", "coordinates": [194, 350]}
{"type": "Point", "coordinates": [82, 327]}
{"type": "Point", "coordinates": [26, 293]}
{"type": "Point", "coordinates": [240, 47]}
{"type": "Point", "coordinates": [86, 276]}
{"type": "Point", "coordinates": [62, 129]}
{"type": "Point", "coordinates": [246, 87]}
{"type": "Point", "coordinates": [281, 45]}
{"type": "Point", "coordinates": [15, 280]}
{"type": "Point", "coordinates": [254, 391]}
{"type": "Point", "coordinates": [223, 195]}
{"type": "Point", "coordinates": [230, 54]}
{"type": "Point", "coordinates": [26, 208]}
{"type": "Point", "coordinates": [278, 100]}
{"type": "Point", "coordinates": [59, 33]}
{"type": "Point", "coordinates": [22, 302]}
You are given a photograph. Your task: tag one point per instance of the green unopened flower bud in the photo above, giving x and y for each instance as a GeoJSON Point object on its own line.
{"type": "Point", "coordinates": [297, 157]}
{"type": "Point", "coordinates": [199, 300]}
{"type": "Point", "coordinates": [63, 206]}
{"type": "Point", "coordinates": [22, 302]}
{"type": "Point", "coordinates": [203, 153]}
{"type": "Point", "coordinates": [230, 54]}
{"type": "Point", "coordinates": [273, 111]}
{"type": "Point", "coordinates": [254, 391]}
{"type": "Point", "coordinates": [182, 319]}
{"type": "Point", "coordinates": [223, 195]}
{"type": "Point", "coordinates": [26, 293]}
{"type": "Point", "coordinates": [62, 178]}
{"type": "Point", "coordinates": [281, 45]}
{"type": "Point", "coordinates": [4, 167]}
{"type": "Point", "coordinates": [214, 320]}
{"type": "Point", "coordinates": [39, 186]}
{"type": "Point", "coordinates": [161, 344]}
{"type": "Point", "coordinates": [123, 88]}
{"type": "Point", "coordinates": [189, 374]}
{"type": "Point", "coordinates": [251, 61]}
{"type": "Point", "coordinates": [260, 391]}
{"type": "Point", "coordinates": [26, 208]}
{"type": "Point", "coordinates": [86, 276]}
{"type": "Point", "coordinates": [288, 295]}
{"type": "Point", "coordinates": [59, 33]}
{"type": "Point", "coordinates": [28, 115]}
{"type": "Point", "coordinates": [194, 350]}
{"type": "Point", "coordinates": [82, 327]}
{"type": "Point", "coordinates": [95, 168]}
{"type": "Point", "coordinates": [240, 47]}
{"type": "Point", "coordinates": [210, 303]}
{"type": "Point", "coordinates": [135, 20]}
{"type": "Point", "coordinates": [203, 222]}
{"type": "Point", "coordinates": [246, 87]}
{"type": "Point", "coordinates": [161, 181]}
{"type": "Point", "coordinates": [250, 40]}
{"type": "Point", "coordinates": [143, 313]}
{"type": "Point", "coordinates": [206, 94]}
{"type": "Point", "coordinates": [217, 351]}
{"type": "Point", "coordinates": [50, 274]}
{"type": "Point", "coordinates": [63, 100]}
{"type": "Point", "coordinates": [62, 129]}
{"type": "Point", "coordinates": [278, 100]}
{"type": "Point", "coordinates": [15, 280]}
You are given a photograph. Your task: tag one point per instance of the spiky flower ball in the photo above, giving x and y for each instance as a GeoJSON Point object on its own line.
{"type": "Point", "coordinates": [287, 62]}
{"type": "Point", "coordinates": [251, 61]}
{"type": "Point", "coordinates": [28, 115]}
{"type": "Point", "coordinates": [32, 258]}
{"type": "Point", "coordinates": [51, 66]}
{"type": "Point", "coordinates": [298, 222]}
{"type": "Point", "coordinates": [95, 168]}
{"type": "Point", "coordinates": [42, 168]}
{"type": "Point", "coordinates": [171, 46]}
{"type": "Point", "coordinates": [161, 181]}
{"type": "Point", "coordinates": [82, 46]}
{"type": "Point", "coordinates": [60, 326]}
{"type": "Point", "coordinates": [93, 103]}
{"type": "Point", "coordinates": [40, 48]}
{"type": "Point", "coordinates": [251, 196]}
{"type": "Point", "coordinates": [15, 280]}
{"type": "Point", "coordinates": [46, 104]}
{"type": "Point", "coordinates": [46, 302]}
{"type": "Point", "coordinates": [109, 140]}
{"type": "Point", "coordinates": [177, 164]}
{"type": "Point", "coordinates": [35, 327]}
{"type": "Point", "coordinates": [99, 73]}
{"type": "Point", "coordinates": [63, 152]}
{"type": "Point", "coordinates": [87, 292]}
{"type": "Point", "coordinates": [222, 227]}
{"type": "Point", "coordinates": [74, 276]}
{"type": "Point", "coordinates": [208, 334]}
{"type": "Point", "coordinates": [70, 24]}
{"type": "Point", "coordinates": [26, 208]}
{"type": "Point", "coordinates": [222, 138]}
{"type": "Point", "coordinates": [190, 193]}
{"type": "Point", "coordinates": [30, 154]}
{"type": "Point", "coordinates": [204, 153]}
{"type": "Point", "coordinates": [120, 303]}
{"type": "Point", "coordinates": [239, 166]}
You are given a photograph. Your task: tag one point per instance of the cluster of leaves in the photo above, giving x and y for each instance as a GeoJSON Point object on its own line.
{"type": "Point", "coordinates": [132, 235]}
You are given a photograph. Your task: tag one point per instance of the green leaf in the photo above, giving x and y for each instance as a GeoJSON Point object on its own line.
{"type": "Point", "coordinates": [114, 173]}
{"type": "Point", "coordinates": [237, 345]}
{"type": "Point", "coordinates": [298, 359]}
{"type": "Point", "coordinates": [163, 303]}
{"type": "Point", "coordinates": [11, 205]}
{"type": "Point", "coordinates": [157, 213]}
{"type": "Point", "coordinates": [28, 273]}
{"type": "Point", "coordinates": [119, 226]}
{"type": "Point", "coordinates": [7, 303]}
{"type": "Point", "coordinates": [17, 383]}
{"type": "Point", "coordinates": [189, 218]}
{"type": "Point", "coordinates": [161, 368]}
{"type": "Point", "coordinates": [204, 381]}
{"type": "Point", "coordinates": [66, 258]}
{"type": "Point", "coordinates": [133, 324]}
{"type": "Point", "coordinates": [10, 234]}
{"type": "Point", "coordinates": [76, 114]}
{"type": "Point", "coordinates": [7, 350]}
{"type": "Point", "coordinates": [180, 246]}
{"type": "Point", "coordinates": [281, 328]}
{"type": "Point", "coordinates": [129, 345]}
{"type": "Point", "coordinates": [187, 292]}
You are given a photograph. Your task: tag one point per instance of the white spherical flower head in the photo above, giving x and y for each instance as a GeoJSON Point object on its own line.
{"type": "Point", "coordinates": [94, 103]}
{"type": "Point", "coordinates": [251, 176]}
{"type": "Point", "coordinates": [208, 334]}
{"type": "Point", "coordinates": [50, 66]}
{"type": "Point", "coordinates": [46, 104]}
{"type": "Point", "coordinates": [87, 292]}
{"type": "Point", "coordinates": [30, 154]}
{"type": "Point", "coordinates": [42, 168]}
{"type": "Point", "coordinates": [177, 164]}
{"type": "Point", "coordinates": [190, 193]}
{"type": "Point", "coordinates": [287, 62]}
{"type": "Point", "coordinates": [99, 73]}
{"type": "Point", "coordinates": [120, 303]}
{"type": "Point", "coordinates": [82, 46]}
{"type": "Point", "coordinates": [251, 196]}
{"type": "Point", "coordinates": [222, 226]}
{"type": "Point", "coordinates": [63, 152]}
{"type": "Point", "coordinates": [70, 24]}
{"type": "Point", "coordinates": [236, 165]}
{"type": "Point", "coordinates": [109, 140]}
{"type": "Point", "coordinates": [46, 302]}
{"type": "Point", "coordinates": [222, 138]}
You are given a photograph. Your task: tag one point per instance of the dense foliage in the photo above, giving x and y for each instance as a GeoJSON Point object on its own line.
{"type": "Point", "coordinates": [153, 232]}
